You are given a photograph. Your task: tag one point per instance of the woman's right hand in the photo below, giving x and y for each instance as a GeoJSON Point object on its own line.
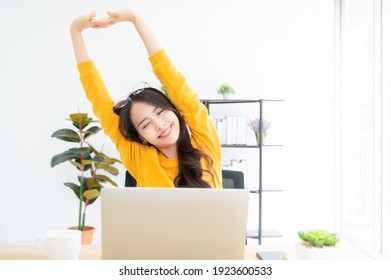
{"type": "Point", "coordinates": [83, 22]}
{"type": "Point", "coordinates": [77, 26]}
{"type": "Point", "coordinates": [114, 17]}
{"type": "Point", "coordinates": [126, 15]}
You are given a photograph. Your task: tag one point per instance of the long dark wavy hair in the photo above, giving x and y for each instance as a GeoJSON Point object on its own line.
{"type": "Point", "coordinates": [190, 170]}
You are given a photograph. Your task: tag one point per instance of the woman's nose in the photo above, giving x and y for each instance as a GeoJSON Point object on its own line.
{"type": "Point", "coordinates": [160, 125]}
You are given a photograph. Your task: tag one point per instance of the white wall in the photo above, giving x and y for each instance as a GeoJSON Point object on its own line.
{"type": "Point", "coordinates": [266, 49]}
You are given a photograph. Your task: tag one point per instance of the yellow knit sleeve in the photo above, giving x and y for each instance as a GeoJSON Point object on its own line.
{"type": "Point", "coordinates": [102, 106]}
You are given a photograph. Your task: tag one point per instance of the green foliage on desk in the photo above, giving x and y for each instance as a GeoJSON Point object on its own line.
{"type": "Point", "coordinates": [318, 238]}
{"type": "Point", "coordinates": [87, 160]}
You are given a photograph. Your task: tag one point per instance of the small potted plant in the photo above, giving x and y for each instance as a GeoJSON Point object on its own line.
{"type": "Point", "coordinates": [226, 90]}
{"type": "Point", "coordinates": [317, 244]}
{"type": "Point", "coordinates": [254, 125]}
{"type": "Point", "coordinates": [89, 162]}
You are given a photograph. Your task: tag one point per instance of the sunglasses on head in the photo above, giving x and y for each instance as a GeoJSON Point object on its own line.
{"type": "Point", "coordinates": [122, 102]}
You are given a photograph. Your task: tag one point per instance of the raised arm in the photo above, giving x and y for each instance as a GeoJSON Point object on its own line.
{"type": "Point", "coordinates": [95, 89]}
{"type": "Point", "coordinates": [77, 27]}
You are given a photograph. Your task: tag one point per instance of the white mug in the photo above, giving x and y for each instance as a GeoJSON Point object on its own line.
{"type": "Point", "coordinates": [60, 244]}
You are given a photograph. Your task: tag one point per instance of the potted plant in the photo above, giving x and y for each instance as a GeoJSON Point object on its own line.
{"type": "Point", "coordinates": [89, 162]}
{"type": "Point", "coordinates": [254, 125]}
{"type": "Point", "coordinates": [226, 90]}
{"type": "Point", "coordinates": [317, 244]}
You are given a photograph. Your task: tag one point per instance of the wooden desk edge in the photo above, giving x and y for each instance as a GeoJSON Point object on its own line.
{"type": "Point", "coordinates": [94, 252]}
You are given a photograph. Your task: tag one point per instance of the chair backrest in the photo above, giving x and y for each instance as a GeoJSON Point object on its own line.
{"type": "Point", "coordinates": [129, 180]}
{"type": "Point", "coordinates": [233, 179]}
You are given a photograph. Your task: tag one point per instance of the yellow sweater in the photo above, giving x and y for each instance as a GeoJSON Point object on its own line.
{"type": "Point", "coordinates": [146, 164]}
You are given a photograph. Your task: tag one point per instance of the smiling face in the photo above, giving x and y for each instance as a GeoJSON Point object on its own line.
{"type": "Point", "coordinates": [158, 126]}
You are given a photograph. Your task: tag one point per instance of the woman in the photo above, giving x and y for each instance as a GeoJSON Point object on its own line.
{"type": "Point", "coordinates": [149, 129]}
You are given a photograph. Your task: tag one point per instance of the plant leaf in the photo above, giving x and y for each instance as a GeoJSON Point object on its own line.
{"type": "Point", "coordinates": [66, 134]}
{"type": "Point", "coordinates": [91, 131]}
{"type": "Point", "coordinates": [78, 117]}
{"type": "Point", "coordinates": [102, 155]}
{"type": "Point", "coordinates": [88, 161]}
{"type": "Point", "coordinates": [65, 156]}
{"type": "Point", "coordinates": [93, 184]}
{"type": "Point", "coordinates": [91, 194]}
{"type": "Point", "coordinates": [71, 154]}
{"type": "Point", "coordinates": [91, 201]}
{"type": "Point", "coordinates": [75, 163]}
{"type": "Point", "coordinates": [93, 149]}
{"type": "Point", "coordinates": [112, 170]}
{"type": "Point", "coordinates": [85, 151]}
{"type": "Point", "coordinates": [105, 160]}
{"type": "Point", "coordinates": [105, 179]}
{"type": "Point", "coordinates": [75, 188]}
{"type": "Point", "coordinates": [84, 183]}
{"type": "Point", "coordinates": [302, 235]}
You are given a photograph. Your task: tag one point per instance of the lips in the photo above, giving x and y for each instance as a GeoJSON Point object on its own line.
{"type": "Point", "coordinates": [166, 132]}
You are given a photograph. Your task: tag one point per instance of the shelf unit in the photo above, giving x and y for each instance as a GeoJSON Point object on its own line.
{"type": "Point", "coordinates": [258, 233]}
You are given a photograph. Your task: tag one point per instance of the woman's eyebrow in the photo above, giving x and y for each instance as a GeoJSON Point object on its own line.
{"type": "Point", "coordinates": [144, 119]}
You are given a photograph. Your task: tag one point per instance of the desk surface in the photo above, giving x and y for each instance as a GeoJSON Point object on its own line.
{"type": "Point", "coordinates": [93, 252]}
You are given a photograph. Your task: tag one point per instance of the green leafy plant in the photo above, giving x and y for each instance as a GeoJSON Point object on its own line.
{"type": "Point", "coordinates": [226, 88]}
{"type": "Point", "coordinates": [318, 238]}
{"type": "Point", "coordinates": [87, 160]}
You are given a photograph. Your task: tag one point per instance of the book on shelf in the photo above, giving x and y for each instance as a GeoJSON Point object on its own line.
{"type": "Point", "coordinates": [232, 129]}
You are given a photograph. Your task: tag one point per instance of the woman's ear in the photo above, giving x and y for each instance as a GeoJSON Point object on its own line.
{"type": "Point", "coordinates": [145, 142]}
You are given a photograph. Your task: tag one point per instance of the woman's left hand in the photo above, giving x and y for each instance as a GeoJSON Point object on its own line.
{"type": "Point", "coordinates": [115, 17]}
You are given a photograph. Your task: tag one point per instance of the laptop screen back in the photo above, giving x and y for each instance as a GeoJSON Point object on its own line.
{"type": "Point", "coordinates": [169, 223]}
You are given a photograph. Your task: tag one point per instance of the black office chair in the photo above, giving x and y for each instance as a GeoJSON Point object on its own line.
{"type": "Point", "coordinates": [129, 180]}
{"type": "Point", "coordinates": [233, 179]}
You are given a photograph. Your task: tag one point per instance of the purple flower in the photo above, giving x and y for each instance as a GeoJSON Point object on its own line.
{"type": "Point", "coordinates": [254, 124]}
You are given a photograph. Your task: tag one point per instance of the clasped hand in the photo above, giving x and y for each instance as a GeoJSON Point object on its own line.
{"type": "Point", "coordinates": [89, 21]}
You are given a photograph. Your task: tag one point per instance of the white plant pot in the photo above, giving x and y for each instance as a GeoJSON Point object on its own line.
{"type": "Point", "coordinates": [227, 96]}
{"type": "Point", "coordinates": [324, 253]}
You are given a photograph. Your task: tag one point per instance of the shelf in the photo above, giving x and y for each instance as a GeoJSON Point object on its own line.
{"type": "Point", "coordinates": [253, 233]}
{"type": "Point", "coordinates": [267, 189]}
{"type": "Point", "coordinates": [240, 146]}
{"type": "Point", "coordinates": [267, 144]}
{"type": "Point", "coordinates": [250, 146]}
{"type": "Point", "coordinates": [228, 101]}
{"type": "Point", "coordinates": [272, 145]}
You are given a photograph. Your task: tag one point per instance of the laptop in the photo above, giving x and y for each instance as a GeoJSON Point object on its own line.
{"type": "Point", "coordinates": [173, 224]}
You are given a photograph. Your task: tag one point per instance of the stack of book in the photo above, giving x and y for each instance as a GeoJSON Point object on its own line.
{"type": "Point", "coordinates": [232, 129]}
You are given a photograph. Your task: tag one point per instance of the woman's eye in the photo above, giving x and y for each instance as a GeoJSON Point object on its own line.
{"type": "Point", "coordinates": [145, 126]}
{"type": "Point", "coordinates": [161, 111]}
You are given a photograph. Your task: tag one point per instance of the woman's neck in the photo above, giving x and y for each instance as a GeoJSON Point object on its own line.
{"type": "Point", "coordinates": [170, 152]}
